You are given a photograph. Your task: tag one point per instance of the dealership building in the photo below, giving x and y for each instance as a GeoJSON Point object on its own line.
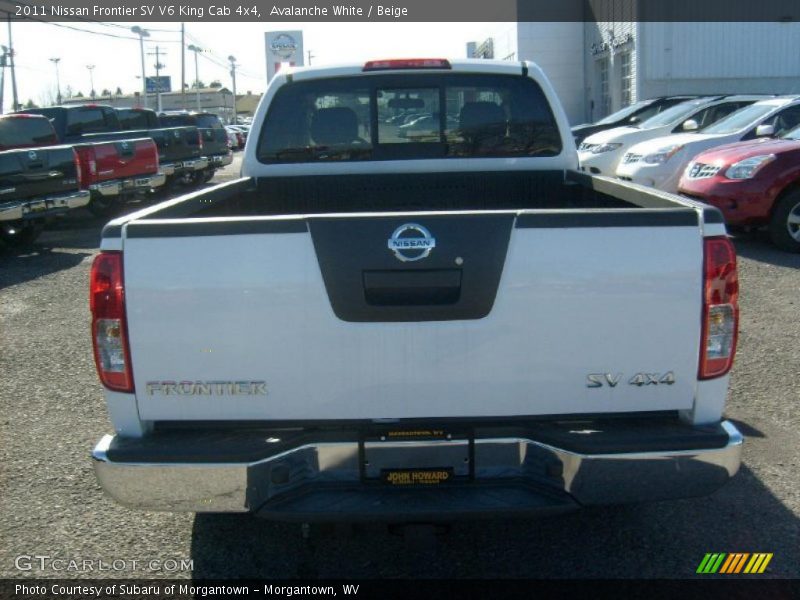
{"type": "Point", "coordinates": [598, 67]}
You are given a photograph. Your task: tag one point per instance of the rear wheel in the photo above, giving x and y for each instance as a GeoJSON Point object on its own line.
{"type": "Point", "coordinates": [20, 234]}
{"type": "Point", "coordinates": [100, 206]}
{"type": "Point", "coordinates": [209, 175]}
{"type": "Point", "coordinates": [784, 227]}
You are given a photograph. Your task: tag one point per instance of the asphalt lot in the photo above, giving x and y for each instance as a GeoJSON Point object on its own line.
{"type": "Point", "coordinates": [52, 412]}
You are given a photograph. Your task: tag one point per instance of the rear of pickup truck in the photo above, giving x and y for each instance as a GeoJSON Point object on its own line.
{"type": "Point", "coordinates": [38, 178]}
{"type": "Point", "coordinates": [115, 171]}
{"type": "Point", "coordinates": [370, 328]}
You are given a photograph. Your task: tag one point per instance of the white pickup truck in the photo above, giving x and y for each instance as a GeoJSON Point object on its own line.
{"type": "Point", "coordinates": [370, 325]}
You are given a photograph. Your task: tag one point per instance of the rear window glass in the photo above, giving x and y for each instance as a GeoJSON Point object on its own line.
{"type": "Point", "coordinates": [176, 120]}
{"type": "Point", "coordinates": [203, 121]}
{"type": "Point", "coordinates": [391, 117]}
{"type": "Point", "coordinates": [86, 120]}
{"type": "Point", "coordinates": [136, 119]}
{"type": "Point", "coordinates": [209, 121]}
{"type": "Point", "coordinates": [21, 132]}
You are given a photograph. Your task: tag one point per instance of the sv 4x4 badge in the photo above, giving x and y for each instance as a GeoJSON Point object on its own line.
{"type": "Point", "coordinates": [596, 380]}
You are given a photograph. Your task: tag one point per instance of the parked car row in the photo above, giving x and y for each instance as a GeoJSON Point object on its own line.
{"type": "Point", "coordinates": [59, 158]}
{"type": "Point", "coordinates": [739, 153]}
{"type": "Point", "coordinates": [237, 136]}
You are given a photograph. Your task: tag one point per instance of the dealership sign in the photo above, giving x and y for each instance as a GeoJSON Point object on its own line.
{"type": "Point", "coordinates": [283, 47]}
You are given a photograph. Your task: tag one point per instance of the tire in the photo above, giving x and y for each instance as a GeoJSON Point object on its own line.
{"type": "Point", "coordinates": [208, 176]}
{"type": "Point", "coordinates": [784, 226]}
{"type": "Point", "coordinates": [25, 234]}
{"type": "Point", "coordinates": [100, 206]}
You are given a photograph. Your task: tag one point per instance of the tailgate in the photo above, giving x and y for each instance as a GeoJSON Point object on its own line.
{"type": "Point", "coordinates": [37, 172]}
{"type": "Point", "coordinates": [505, 314]}
{"type": "Point", "coordinates": [125, 159]}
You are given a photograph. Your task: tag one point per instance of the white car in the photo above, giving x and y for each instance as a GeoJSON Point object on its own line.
{"type": "Point", "coordinates": [599, 154]}
{"type": "Point", "coordinates": [660, 162]}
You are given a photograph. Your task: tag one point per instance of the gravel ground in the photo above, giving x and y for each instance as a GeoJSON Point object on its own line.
{"type": "Point", "coordinates": [52, 412]}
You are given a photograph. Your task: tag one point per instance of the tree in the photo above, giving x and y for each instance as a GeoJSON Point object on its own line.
{"type": "Point", "coordinates": [118, 92]}
{"type": "Point", "coordinates": [68, 92]}
{"type": "Point", "coordinates": [78, 94]}
{"type": "Point", "coordinates": [30, 104]}
{"type": "Point", "coordinates": [106, 92]}
{"type": "Point", "coordinates": [215, 84]}
{"type": "Point", "coordinates": [198, 84]}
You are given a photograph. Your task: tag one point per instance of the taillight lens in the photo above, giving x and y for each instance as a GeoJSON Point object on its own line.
{"type": "Point", "coordinates": [78, 170]}
{"type": "Point", "coordinates": [406, 63]}
{"type": "Point", "coordinates": [109, 327]}
{"type": "Point", "coordinates": [720, 308]}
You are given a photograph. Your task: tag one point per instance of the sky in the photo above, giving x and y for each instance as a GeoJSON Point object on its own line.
{"type": "Point", "coordinates": [117, 62]}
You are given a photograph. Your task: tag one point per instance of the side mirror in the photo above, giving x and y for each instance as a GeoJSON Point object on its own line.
{"type": "Point", "coordinates": [690, 125]}
{"type": "Point", "coordinates": [765, 130]}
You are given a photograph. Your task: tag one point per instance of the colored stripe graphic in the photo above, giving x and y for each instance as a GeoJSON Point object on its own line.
{"type": "Point", "coordinates": [734, 563]}
{"type": "Point", "coordinates": [720, 562]}
{"type": "Point", "coordinates": [711, 562]}
{"type": "Point", "coordinates": [759, 562]}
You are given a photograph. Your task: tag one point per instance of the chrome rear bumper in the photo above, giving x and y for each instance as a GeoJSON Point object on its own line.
{"type": "Point", "coordinates": [221, 160]}
{"type": "Point", "coordinates": [328, 480]}
{"type": "Point", "coordinates": [195, 164]}
{"type": "Point", "coordinates": [134, 184]}
{"type": "Point", "coordinates": [43, 207]}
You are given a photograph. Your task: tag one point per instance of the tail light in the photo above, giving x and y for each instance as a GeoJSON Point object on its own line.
{"type": "Point", "coordinates": [78, 171]}
{"type": "Point", "coordinates": [720, 308]}
{"type": "Point", "coordinates": [109, 326]}
{"type": "Point", "coordinates": [406, 63]}
{"type": "Point", "coordinates": [154, 152]}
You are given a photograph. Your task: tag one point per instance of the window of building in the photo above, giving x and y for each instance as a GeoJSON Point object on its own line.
{"type": "Point", "coordinates": [626, 79]}
{"type": "Point", "coordinates": [605, 92]}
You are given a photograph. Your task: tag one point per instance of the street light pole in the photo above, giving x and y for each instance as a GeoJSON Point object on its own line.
{"type": "Point", "coordinates": [91, 81]}
{"type": "Point", "coordinates": [233, 77]}
{"type": "Point", "coordinates": [196, 50]}
{"type": "Point", "coordinates": [142, 33]}
{"type": "Point", "coordinates": [55, 61]}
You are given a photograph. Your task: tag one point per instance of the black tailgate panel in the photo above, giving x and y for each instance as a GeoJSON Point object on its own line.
{"type": "Point", "coordinates": [367, 281]}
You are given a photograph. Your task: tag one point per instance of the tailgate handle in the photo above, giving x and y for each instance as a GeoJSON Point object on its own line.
{"type": "Point", "coordinates": [412, 288]}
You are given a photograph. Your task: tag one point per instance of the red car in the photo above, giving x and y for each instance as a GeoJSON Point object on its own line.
{"type": "Point", "coordinates": [754, 183]}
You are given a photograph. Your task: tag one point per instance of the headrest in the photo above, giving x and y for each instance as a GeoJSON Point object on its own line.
{"type": "Point", "coordinates": [481, 117]}
{"type": "Point", "coordinates": [338, 125]}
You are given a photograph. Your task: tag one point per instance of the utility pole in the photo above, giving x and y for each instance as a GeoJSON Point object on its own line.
{"type": "Point", "coordinates": [310, 56]}
{"type": "Point", "coordinates": [197, 50]}
{"type": "Point", "coordinates": [158, 67]}
{"type": "Point", "coordinates": [183, 66]}
{"type": "Point", "coordinates": [233, 78]}
{"type": "Point", "coordinates": [142, 33]}
{"type": "Point", "coordinates": [55, 61]}
{"type": "Point", "coordinates": [3, 58]}
{"type": "Point", "coordinates": [91, 81]}
{"type": "Point", "coordinates": [16, 105]}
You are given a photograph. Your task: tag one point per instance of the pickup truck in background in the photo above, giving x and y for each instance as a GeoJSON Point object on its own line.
{"type": "Point", "coordinates": [117, 171]}
{"type": "Point", "coordinates": [216, 147]}
{"type": "Point", "coordinates": [38, 178]}
{"type": "Point", "coordinates": [371, 327]}
{"type": "Point", "coordinates": [754, 183]}
{"type": "Point", "coordinates": [179, 148]}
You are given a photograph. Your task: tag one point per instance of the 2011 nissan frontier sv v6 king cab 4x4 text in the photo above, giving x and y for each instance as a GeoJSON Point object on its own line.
{"type": "Point", "coordinates": [376, 326]}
